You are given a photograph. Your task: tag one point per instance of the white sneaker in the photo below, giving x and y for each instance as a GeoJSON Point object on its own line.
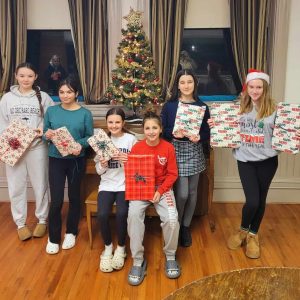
{"type": "Point", "coordinates": [52, 248]}
{"type": "Point", "coordinates": [69, 241]}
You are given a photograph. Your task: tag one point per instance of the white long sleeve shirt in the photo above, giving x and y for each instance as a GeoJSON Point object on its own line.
{"type": "Point", "coordinates": [113, 177]}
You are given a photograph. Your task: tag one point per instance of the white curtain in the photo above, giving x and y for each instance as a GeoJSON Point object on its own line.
{"type": "Point", "coordinates": [116, 10]}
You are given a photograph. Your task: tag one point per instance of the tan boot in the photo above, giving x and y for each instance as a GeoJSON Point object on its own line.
{"type": "Point", "coordinates": [252, 246]}
{"type": "Point", "coordinates": [237, 239]}
{"type": "Point", "coordinates": [24, 233]}
{"type": "Point", "coordinates": [39, 230]}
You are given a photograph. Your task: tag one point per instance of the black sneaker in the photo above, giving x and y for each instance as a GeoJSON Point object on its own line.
{"type": "Point", "coordinates": [185, 237]}
{"type": "Point", "coordinates": [134, 120]}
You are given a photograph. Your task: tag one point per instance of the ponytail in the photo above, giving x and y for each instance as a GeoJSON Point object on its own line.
{"type": "Point", "coordinates": [39, 96]}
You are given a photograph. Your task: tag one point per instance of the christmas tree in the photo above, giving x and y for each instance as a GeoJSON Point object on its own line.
{"type": "Point", "coordinates": [134, 81]}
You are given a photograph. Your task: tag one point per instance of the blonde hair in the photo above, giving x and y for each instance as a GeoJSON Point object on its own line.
{"type": "Point", "coordinates": [267, 104]}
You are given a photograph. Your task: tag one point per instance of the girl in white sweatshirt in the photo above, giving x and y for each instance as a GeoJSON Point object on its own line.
{"type": "Point", "coordinates": [26, 102]}
{"type": "Point", "coordinates": [112, 190]}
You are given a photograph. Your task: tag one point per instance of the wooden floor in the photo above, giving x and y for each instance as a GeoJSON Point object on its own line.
{"type": "Point", "coordinates": [27, 272]}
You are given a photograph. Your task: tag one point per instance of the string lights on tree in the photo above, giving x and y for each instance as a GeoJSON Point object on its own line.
{"type": "Point", "coordinates": [134, 81]}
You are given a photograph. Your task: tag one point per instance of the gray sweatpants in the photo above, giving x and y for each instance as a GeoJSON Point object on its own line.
{"type": "Point", "coordinates": [166, 209]}
{"type": "Point", "coordinates": [34, 163]}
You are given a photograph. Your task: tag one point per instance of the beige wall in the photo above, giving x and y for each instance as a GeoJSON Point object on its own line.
{"type": "Point", "coordinates": [44, 14]}
{"type": "Point", "coordinates": [207, 14]}
{"type": "Point", "coordinates": [293, 60]}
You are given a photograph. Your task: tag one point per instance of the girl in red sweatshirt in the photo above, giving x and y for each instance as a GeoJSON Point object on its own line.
{"type": "Point", "coordinates": [163, 200]}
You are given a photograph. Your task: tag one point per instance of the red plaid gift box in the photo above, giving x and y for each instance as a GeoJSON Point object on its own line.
{"type": "Point", "coordinates": [103, 145]}
{"type": "Point", "coordinates": [63, 141]}
{"type": "Point", "coordinates": [14, 141]}
{"type": "Point", "coordinates": [140, 177]}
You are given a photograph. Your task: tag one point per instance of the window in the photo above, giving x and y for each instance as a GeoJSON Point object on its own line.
{"type": "Point", "coordinates": [52, 53]}
{"type": "Point", "coordinates": [208, 52]}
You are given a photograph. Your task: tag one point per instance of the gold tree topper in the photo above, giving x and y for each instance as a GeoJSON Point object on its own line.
{"type": "Point", "coordinates": [134, 17]}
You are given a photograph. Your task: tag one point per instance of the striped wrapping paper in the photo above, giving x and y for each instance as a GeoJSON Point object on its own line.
{"type": "Point", "coordinates": [287, 122]}
{"type": "Point", "coordinates": [189, 119]}
{"type": "Point", "coordinates": [226, 132]}
{"type": "Point", "coordinates": [139, 177]}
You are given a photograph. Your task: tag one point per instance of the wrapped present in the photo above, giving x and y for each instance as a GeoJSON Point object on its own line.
{"type": "Point", "coordinates": [103, 145]}
{"type": "Point", "coordinates": [287, 122]}
{"type": "Point", "coordinates": [189, 119]}
{"type": "Point", "coordinates": [226, 130]}
{"type": "Point", "coordinates": [64, 141]}
{"type": "Point", "coordinates": [14, 141]}
{"type": "Point", "coordinates": [140, 177]}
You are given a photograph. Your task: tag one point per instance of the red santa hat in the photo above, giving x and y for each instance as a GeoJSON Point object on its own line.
{"type": "Point", "coordinates": [256, 74]}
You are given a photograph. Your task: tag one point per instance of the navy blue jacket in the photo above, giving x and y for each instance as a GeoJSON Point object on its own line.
{"type": "Point", "coordinates": [168, 115]}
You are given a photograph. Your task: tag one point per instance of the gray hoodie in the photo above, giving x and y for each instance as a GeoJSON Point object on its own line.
{"type": "Point", "coordinates": [14, 105]}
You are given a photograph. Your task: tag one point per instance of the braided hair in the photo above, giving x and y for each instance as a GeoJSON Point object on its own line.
{"type": "Point", "coordinates": [34, 87]}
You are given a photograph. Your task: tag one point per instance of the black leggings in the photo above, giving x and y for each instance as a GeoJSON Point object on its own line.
{"type": "Point", "coordinates": [256, 178]}
{"type": "Point", "coordinates": [59, 170]}
{"type": "Point", "coordinates": [105, 203]}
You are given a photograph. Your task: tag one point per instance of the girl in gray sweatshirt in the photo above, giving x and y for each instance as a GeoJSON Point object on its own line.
{"type": "Point", "coordinates": [27, 103]}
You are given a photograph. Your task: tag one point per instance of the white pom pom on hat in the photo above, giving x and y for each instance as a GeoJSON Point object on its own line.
{"type": "Point", "coordinates": [256, 74]}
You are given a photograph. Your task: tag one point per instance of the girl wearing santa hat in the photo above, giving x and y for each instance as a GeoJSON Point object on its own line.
{"type": "Point", "coordinates": [257, 161]}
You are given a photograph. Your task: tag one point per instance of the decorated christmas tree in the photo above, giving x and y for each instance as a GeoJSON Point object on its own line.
{"type": "Point", "coordinates": [134, 81]}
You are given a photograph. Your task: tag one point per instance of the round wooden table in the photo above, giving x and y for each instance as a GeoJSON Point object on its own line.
{"type": "Point", "coordinates": [255, 283]}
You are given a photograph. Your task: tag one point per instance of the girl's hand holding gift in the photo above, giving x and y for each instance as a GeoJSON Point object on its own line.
{"type": "Point", "coordinates": [210, 123]}
{"type": "Point", "coordinates": [179, 134]}
{"type": "Point", "coordinates": [194, 138]}
{"type": "Point", "coordinates": [49, 134]}
{"type": "Point", "coordinates": [103, 162]}
{"type": "Point", "coordinates": [76, 149]}
{"type": "Point", "coordinates": [121, 156]}
{"type": "Point", "coordinates": [39, 132]}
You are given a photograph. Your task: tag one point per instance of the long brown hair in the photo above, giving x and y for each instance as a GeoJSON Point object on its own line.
{"type": "Point", "coordinates": [34, 86]}
{"type": "Point", "coordinates": [267, 104]}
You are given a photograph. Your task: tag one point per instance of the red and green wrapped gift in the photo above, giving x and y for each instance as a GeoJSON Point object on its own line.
{"type": "Point", "coordinates": [287, 123]}
{"type": "Point", "coordinates": [14, 141]}
{"type": "Point", "coordinates": [226, 130]}
{"type": "Point", "coordinates": [103, 145]}
{"type": "Point", "coordinates": [140, 177]}
{"type": "Point", "coordinates": [189, 119]}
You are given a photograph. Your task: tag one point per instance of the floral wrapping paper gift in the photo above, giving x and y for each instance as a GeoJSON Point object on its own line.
{"type": "Point", "coordinates": [64, 141]}
{"type": "Point", "coordinates": [140, 177]}
{"type": "Point", "coordinates": [226, 130]}
{"type": "Point", "coordinates": [103, 145]}
{"type": "Point", "coordinates": [189, 119]}
{"type": "Point", "coordinates": [14, 141]}
{"type": "Point", "coordinates": [287, 122]}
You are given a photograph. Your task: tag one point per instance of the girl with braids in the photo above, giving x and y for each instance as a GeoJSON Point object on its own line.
{"type": "Point", "coordinates": [26, 102]}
